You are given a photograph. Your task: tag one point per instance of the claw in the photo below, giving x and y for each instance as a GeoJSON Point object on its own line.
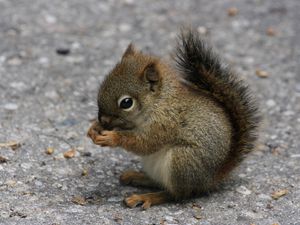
{"type": "Point", "coordinates": [147, 200]}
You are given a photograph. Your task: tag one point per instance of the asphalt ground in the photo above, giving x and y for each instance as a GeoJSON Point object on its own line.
{"type": "Point", "coordinates": [53, 56]}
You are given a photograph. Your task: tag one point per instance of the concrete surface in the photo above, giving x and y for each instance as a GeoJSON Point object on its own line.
{"type": "Point", "coordinates": [48, 100]}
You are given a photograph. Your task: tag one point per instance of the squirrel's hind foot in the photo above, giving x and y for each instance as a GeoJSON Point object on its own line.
{"type": "Point", "coordinates": [147, 200]}
{"type": "Point", "coordinates": [137, 179]}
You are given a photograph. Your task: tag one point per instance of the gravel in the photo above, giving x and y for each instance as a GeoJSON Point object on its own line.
{"type": "Point", "coordinates": [54, 54]}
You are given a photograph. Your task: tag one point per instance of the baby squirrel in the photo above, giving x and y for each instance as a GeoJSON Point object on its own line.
{"type": "Point", "coordinates": [191, 125]}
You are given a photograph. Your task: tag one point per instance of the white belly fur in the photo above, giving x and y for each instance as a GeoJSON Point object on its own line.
{"type": "Point", "coordinates": [157, 166]}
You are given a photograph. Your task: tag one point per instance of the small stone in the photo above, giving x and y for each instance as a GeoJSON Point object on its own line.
{"type": "Point", "coordinates": [243, 190]}
{"type": "Point", "coordinates": [202, 30]}
{"type": "Point", "coordinates": [278, 194]}
{"type": "Point", "coordinates": [261, 73]}
{"type": "Point", "coordinates": [270, 103]}
{"type": "Point", "coordinates": [52, 95]}
{"type": "Point", "coordinates": [232, 11]}
{"type": "Point", "coordinates": [114, 199]}
{"type": "Point", "coordinates": [129, 2]}
{"type": "Point", "coordinates": [49, 151]}
{"type": "Point", "coordinates": [11, 106]}
{"type": "Point", "coordinates": [124, 27]}
{"type": "Point", "coordinates": [14, 61]}
{"type": "Point", "coordinates": [271, 31]}
{"type": "Point", "coordinates": [43, 61]}
{"type": "Point", "coordinates": [264, 197]}
{"type": "Point", "coordinates": [18, 85]}
{"type": "Point", "coordinates": [38, 183]}
{"type": "Point", "coordinates": [84, 172]}
{"type": "Point", "coordinates": [297, 87]}
{"type": "Point", "coordinates": [70, 154]}
{"type": "Point", "coordinates": [26, 166]}
{"type": "Point", "coordinates": [169, 218]}
{"type": "Point", "coordinates": [63, 51]}
{"type": "Point", "coordinates": [75, 59]}
{"type": "Point", "coordinates": [76, 45]}
{"type": "Point", "coordinates": [50, 19]}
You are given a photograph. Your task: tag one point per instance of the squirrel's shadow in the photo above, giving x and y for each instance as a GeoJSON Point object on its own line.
{"type": "Point", "coordinates": [106, 193]}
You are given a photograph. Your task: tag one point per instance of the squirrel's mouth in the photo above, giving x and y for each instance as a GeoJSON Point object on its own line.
{"type": "Point", "coordinates": [115, 123]}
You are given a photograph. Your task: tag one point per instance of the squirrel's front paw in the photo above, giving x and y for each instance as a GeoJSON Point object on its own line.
{"type": "Point", "coordinates": [94, 130]}
{"type": "Point", "coordinates": [107, 138]}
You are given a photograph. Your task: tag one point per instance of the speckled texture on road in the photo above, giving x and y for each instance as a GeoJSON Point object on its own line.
{"type": "Point", "coordinates": [54, 54]}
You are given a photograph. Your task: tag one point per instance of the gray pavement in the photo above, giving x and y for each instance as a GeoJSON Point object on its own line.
{"type": "Point", "coordinates": [48, 100]}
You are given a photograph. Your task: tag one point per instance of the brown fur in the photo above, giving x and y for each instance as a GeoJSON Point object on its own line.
{"type": "Point", "coordinates": [191, 128]}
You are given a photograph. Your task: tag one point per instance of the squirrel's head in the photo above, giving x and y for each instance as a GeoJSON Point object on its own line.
{"type": "Point", "coordinates": [129, 90]}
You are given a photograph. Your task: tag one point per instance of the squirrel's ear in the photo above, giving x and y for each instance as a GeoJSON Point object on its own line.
{"type": "Point", "coordinates": [151, 75]}
{"type": "Point", "coordinates": [129, 51]}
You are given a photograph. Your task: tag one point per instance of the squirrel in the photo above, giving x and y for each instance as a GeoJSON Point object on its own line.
{"type": "Point", "coordinates": [191, 124]}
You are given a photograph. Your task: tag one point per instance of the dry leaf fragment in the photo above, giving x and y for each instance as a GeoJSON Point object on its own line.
{"type": "Point", "coordinates": [79, 200]}
{"type": "Point", "coordinates": [197, 215]}
{"type": "Point", "coordinates": [2, 159]}
{"type": "Point", "coordinates": [70, 153]}
{"type": "Point", "coordinates": [49, 151]}
{"type": "Point", "coordinates": [271, 31]}
{"type": "Point", "coordinates": [277, 194]}
{"type": "Point", "coordinates": [232, 11]}
{"type": "Point", "coordinates": [118, 219]}
{"type": "Point", "coordinates": [196, 206]}
{"type": "Point", "coordinates": [11, 144]}
{"type": "Point", "coordinates": [262, 73]}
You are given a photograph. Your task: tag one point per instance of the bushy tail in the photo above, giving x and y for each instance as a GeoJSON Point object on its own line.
{"type": "Point", "coordinates": [200, 66]}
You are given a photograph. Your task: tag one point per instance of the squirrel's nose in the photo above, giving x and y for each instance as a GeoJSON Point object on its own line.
{"type": "Point", "coordinates": [105, 119]}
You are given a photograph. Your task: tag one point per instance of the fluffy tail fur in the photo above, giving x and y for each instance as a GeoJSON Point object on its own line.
{"type": "Point", "coordinates": [200, 66]}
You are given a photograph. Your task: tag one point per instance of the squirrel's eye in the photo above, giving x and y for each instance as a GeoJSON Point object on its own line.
{"type": "Point", "coordinates": [126, 103]}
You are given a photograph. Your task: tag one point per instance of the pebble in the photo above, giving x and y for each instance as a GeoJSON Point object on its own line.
{"type": "Point", "coordinates": [76, 45]}
{"type": "Point", "coordinates": [52, 94]}
{"type": "Point", "coordinates": [202, 30]}
{"type": "Point", "coordinates": [26, 165]}
{"type": "Point", "coordinates": [270, 103]}
{"type": "Point", "coordinates": [115, 199]}
{"type": "Point", "coordinates": [11, 106]}
{"type": "Point", "coordinates": [38, 183]}
{"type": "Point", "coordinates": [57, 185]}
{"type": "Point", "coordinates": [18, 85]}
{"type": "Point", "coordinates": [264, 197]}
{"type": "Point", "coordinates": [14, 61]}
{"type": "Point", "coordinates": [243, 190]}
{"type": "Point", "coordinates": [297, 87]}
{"type": "Point", "coordinates": [232, 11]}
{"type": "Point", "coordinates": [129, 2]}
{"type": "Point", "coordinates": [43, 61]}
{"type": "Point", "coordinates": [288, 113]}
{"type": "Point", "coordinates": [262, 73]}
{"type": "Point", "coordinates": [50, 19]}
{"type": "Point", "coordinates": [124, 27]}
{"type": "Point", "coordinates": [75, 59]}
